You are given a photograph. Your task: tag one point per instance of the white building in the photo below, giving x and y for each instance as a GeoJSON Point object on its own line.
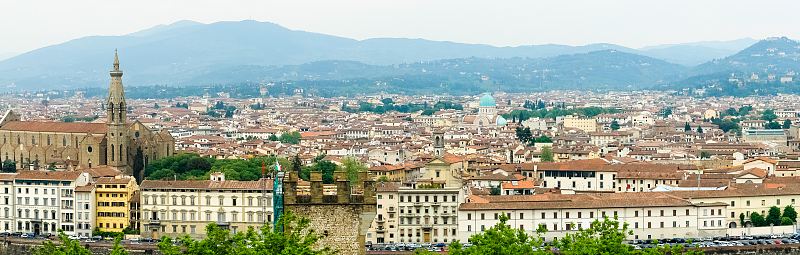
{"type": "Point", "coordinates": [45, 201]}
{"type": "Point", "coordinates": [185, 207]}
{"type": "Point", "coordinates": [649, 216]}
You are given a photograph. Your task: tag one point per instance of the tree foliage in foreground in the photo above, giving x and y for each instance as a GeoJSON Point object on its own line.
{"type": "Point", "coordinates": [605, 236]}
{"type": "Point", "coordinates": [297, 239]}
{"type": "Point", "coordinates": [67, 247]}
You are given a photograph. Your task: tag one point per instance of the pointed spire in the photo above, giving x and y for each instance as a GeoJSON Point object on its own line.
{"type": "Point", "coordinates": [116, 60]}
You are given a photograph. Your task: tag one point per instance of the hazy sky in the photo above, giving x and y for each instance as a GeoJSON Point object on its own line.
{"type": "Point", "coordinates": [30, 24]}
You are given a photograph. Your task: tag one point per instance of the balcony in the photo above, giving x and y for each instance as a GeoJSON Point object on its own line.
{"type": "Point", "coordinates": [67, 195]}
{"type": "Point", "coordinates": [380, 230]}
{"type": "Point", "coordinates": [427, 226]}
{"type": "Point", "coordinates": [391, 210]}
{"type": "Point", "coordinates": [417, 204]}
{"type": "Point", "coordinates": [66, 207]}
{"type": "Point", "coordinates": [153, 222]}
{"type": "Point", "coordinates": [436, 204]}
{"type": "Point", "coordinates": [380, 220]}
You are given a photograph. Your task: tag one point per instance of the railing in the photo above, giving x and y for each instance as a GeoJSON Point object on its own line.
{"type": "Point", "coordinates": [436, 204]}
{"type": "Point", "coordinates": [67, 195]}
{"type": "Point", "coordinates": [380, 230]}
{"type": "Point", "coordinates": [391, 209]}
{"type": "Point", "coordinates": [66, 207]}
{"type": "Point", "coordinates": [380, 220]}
{"type": "Point", "coordinates": [417, 203]}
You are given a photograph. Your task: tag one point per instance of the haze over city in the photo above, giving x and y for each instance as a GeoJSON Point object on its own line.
{"type": "Point", "coordinates": [399, 127]}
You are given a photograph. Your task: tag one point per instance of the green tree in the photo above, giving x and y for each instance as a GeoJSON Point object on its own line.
{"type": "Point", "coordinates": [789, 212]}
{"type": "Point", "coordinates": [547, 154]}
{"type": "Point", "coordinates": [501, 239]}
{"type": "Point", "coordinates": [705, 154]}
{"type": "Point", "coordinates": [614, 125]}
{"type": "Point", "coordinates": [495, 191]}
{"type": "Point", "coordinates": [326, 168]}
{"type": "Point", "coordinates": [297, 165]}
{"type": "Point", "coordinates": [602, 237]}
{"type": "Point", "coordinates": [543, 139]}
{"type": "Point", "coordinates": [9, 166]}
{"type": "Point", "coordinates": [741, 219]}
{"type": "Point", "coordinates": [699, 129]}
{"type": "Point", "coordinates": [352, 166]}
{"type": "Point", "coordinates": [290, 137]}
{"type": "Point", "coordinates": [757, 220]}
{"type": "Point", "coordinates": [787, 124]}
{"type": "Point", "coordinates": [117, 249]}
{"type": "Point", "coordinates": [296, 239]}
{"type": "Point", "coordinates": [67, 247]}
{"type": "Point", "coordinates": [768, 115]}
{"type": "Point", "coordinates": [774, 216]}
{"type": "Point", "coordinates": [686, 127]}
{"type": "Point", "coordinates": [773, 125]}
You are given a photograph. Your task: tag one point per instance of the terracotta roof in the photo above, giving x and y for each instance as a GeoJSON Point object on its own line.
{"type": "Point", "coordinates": [7, 176]}
{"type": "Point", "coordinates": [206, 184]}
{"type": "Point", "coordinates": [84, 188]}
{"type": "Point", "coordinates": [48, 175]}
{"type": "Point", "coordinates": [113, 180]}
{"type": "Point", "coordinates": [573, 201]}
{"type": "Point", "coordinates": [60, 127]}
{"type": "Point", "coordinates": [387, 186]}
{"type": "Point", "coordinates": [520, 185]}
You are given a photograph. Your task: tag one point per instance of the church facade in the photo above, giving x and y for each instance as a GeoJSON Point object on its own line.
{"type": "Point", "coordinates": [127, 146]}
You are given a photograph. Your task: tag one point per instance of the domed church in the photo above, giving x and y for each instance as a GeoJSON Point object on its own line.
{"type": "Point", "coordinates": [117, 143]}
{"type": "Point", "coordinates": [487, 114]}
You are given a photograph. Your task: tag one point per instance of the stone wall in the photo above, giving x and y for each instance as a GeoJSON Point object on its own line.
{"type": "Point", "coordinates": [338, 225]}
{"type": "Point", "coordinates": [341, 218]}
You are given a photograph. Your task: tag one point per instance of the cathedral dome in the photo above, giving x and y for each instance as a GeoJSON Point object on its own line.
{"type": "Point", "coordinates": [501, 122]}
{"type": "Point", "coordinates": [487, 101]}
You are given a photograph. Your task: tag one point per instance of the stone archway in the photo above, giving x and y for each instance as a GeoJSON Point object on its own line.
{"type": "Point", "coordinates": [732, 225]}
{"type": "Point", "coordinates": [748, 224]}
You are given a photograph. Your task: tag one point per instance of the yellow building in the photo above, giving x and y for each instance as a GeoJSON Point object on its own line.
{"type": "Point", "coordinates": [113, 202]}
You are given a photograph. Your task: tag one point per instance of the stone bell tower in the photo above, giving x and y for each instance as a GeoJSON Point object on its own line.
{"type": "Point", "coordinates": [116, 120]}
{"type": "Point", "coordinates": [438, 143]}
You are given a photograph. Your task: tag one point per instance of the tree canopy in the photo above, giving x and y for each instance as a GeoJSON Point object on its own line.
{"type": "Point", "coordinates": [190, 166]}
{"type": "Point", "coordinates": [297, 239]}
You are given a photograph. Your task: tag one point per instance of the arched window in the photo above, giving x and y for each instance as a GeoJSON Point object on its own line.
{"type": "Point", "coordinates": [112, 152]}
{"type": "Point", "coordinates": [120, 153]}
{"type": "Point", "coordinates": [64, 141]}
{"type": "Point", "coordinates": [121, 110]}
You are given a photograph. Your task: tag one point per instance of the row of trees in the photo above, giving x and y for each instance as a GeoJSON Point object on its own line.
{"type": "Point", "coordinates": [602, 237]}
{"type": "Point", "coordinates": [774, 217]}
{"type": "Point", "coordinates": [522, 115]}
{"type": "Point", "coordinates": [296, 239]}
{"type": "Point", "coordinates": [289, 137]}
{"type": "Point", "coordinates": [190, 166]}
{"type": "Point", "coordinates": [389, 105]}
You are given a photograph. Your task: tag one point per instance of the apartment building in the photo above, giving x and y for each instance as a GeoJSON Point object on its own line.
{"type": "Point", "coordinates": [85, 210]}
{"type": "Point", "coordinates": [649, 216]}
{"type": "Point", "coordinates": [588, 125]}
{"type": "Point", "coordinates": [185, 207]}
{"type": "Point", "coordinates": [45, 201]}
{"type": "Point", "coordinates": [7, 202]}
{"type": "Point", "coordinates": [384, 228]}
{"type": "Point", "coordinates": [113, 196]}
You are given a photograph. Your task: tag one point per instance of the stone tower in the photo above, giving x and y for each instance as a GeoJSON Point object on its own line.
{"type": "Point", "coordinates": [116, 111]}
{"type": "Point", "coordinates": [438, 143]}
{"type": "Point", "coordinates": [341, 218]}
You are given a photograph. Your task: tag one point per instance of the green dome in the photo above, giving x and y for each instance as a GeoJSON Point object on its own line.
{"type": "Point", "coordinates": [487, 101]}
{"type": "Point", "coordinates": [501, 122]}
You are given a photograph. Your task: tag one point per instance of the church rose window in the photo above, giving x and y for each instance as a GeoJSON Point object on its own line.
{"type": "Point", "coordinates": [89, 149]}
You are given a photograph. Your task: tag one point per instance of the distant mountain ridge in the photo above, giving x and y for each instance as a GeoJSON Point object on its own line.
{"type": "Point", "coordinates": [195, 54]}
